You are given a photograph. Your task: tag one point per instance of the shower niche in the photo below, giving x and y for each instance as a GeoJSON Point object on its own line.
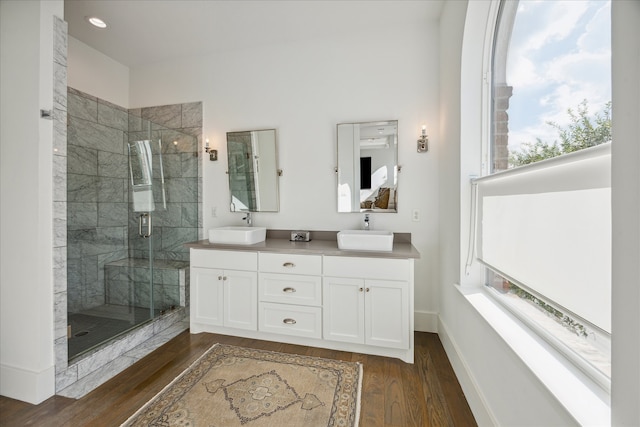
{"type": "Point", "coordinates": [132, 202]}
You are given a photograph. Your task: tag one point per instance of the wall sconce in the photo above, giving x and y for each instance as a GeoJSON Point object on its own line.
{"type": "Point", "coordinates": [423, 141]}
{"type": "Point", "coordinates": [213, 154]}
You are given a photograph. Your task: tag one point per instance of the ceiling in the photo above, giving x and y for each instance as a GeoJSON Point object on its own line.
{"type": "Point", "coordinates": [148, 31]}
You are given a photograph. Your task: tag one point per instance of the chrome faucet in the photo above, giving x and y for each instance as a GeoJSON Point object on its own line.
{"type": "Point", "coordinates": [367, 226]}
{"type": "Point", "coordinates": [248, 219]}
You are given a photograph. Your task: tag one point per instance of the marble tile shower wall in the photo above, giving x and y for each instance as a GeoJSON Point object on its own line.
{"type": "Point", "coordinates": [179, 128]}
{"type": "Point", "coordinates": [97, 199]}
{"type": "Point", "coordinates": [101, 226]}
{"type": "Point", "coordinates": [60, 194]}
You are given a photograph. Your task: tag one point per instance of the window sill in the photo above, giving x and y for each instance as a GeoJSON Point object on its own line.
{"type": "Point", "coordinates": [587, 403]}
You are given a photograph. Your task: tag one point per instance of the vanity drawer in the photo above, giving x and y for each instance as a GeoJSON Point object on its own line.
{"type": "Point", "coordinates": [287, 319]}
{"type": "Point", "coordinates": [290, 289]}
{"type": "Point", "coordinates": [367, 268]}
{"type": "Point", "coordinates": [290, 263]}
{"type": "Point", "coordinates": [227, 260]}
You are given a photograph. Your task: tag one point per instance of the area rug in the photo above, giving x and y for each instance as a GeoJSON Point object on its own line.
{"type": "Point", "coordinates": [233, 386]}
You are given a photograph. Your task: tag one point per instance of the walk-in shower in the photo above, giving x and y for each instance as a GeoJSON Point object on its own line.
{"type": "Point", "coordinates": [132, 204]}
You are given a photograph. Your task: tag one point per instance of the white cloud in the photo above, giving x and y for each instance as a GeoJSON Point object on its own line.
{"type": "Point", "coordinates": [556, 22]}
{"type": "Point", "coordinates": [522, 72]}
{"type": "Point", "coordinates": [597, 36]}
{"type": "Point", "coordinates": [550, 75]}
{"type": "Point", "coordinates": [550, 22]}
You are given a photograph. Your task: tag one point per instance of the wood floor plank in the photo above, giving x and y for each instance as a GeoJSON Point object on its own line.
{"type": "Point", "coordinates": [394, 393]}
{"type": "Point", "coordinates": [372, 413]}
{"type": "Point", "coordinates": [415, 411]}
{"type": "Point", "coordinates": [452, 395]}
{"type": "Point", "coordinates": [394, 409]}
{"type": "Point", "coordinates": [436, 406]}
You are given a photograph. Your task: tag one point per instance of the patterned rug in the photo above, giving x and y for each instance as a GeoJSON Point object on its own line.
{"type": "Point", "coordinates": [233, 386]}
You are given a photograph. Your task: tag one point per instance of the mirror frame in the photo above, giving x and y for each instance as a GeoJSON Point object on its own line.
{"type": "Point", "coordinates": [271, 173]}
{"type": "Point", "coordinates": [348, 170]}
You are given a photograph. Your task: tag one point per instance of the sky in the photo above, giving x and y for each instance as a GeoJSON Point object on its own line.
{"type": "Point", "coordinates": [560, 54]}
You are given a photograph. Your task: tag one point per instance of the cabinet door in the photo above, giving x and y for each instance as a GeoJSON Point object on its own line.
{"type": "Point", "coordinates": [241, 299]}
{"type": "Point", "coordinates": [206, 296]}
{"type": "Point", "coordinates": [343, 317]}
{"type": "Point", "coordinates": [387, 313]}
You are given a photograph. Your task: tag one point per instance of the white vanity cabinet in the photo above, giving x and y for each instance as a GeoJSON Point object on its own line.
{"type": "Point", "coordinates": [224, 287]}
{"type": "Point", "coordinates": [367, 301]}
{"type": "Point", "coordinates": [290, 293]}
{"type": "Point", "coordinates": [333, 300]}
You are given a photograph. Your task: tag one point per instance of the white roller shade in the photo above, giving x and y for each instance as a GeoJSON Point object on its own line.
{"type": "Point", "coordinates": [547, 226]}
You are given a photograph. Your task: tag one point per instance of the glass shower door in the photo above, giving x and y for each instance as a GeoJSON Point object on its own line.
{"type": "Point", "coordinates": [132, 192]}
{"type": "Point", "coordinates": [114, 292]}
{"type": "Point", "coordinates": [148, 201]}
{"type": "Point", "coordinates": [163, 191]}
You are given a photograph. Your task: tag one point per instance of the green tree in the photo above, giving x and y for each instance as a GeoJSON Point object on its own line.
{"type": "Point", "coordinates": [582, 132]}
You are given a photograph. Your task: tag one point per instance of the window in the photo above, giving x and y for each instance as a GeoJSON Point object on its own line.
{"type": "Point", "coordinates": [543, 209]}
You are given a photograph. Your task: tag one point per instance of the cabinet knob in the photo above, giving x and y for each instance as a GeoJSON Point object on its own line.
{"type": "Point", "coordinates": [367, 289]}
{"type": "Point", "coordinates": [289, 290]}
{"type": "Point", "coordinates": [288, 265]}
{"type": "Point", "coordinates": [289, 321]}
{"type": "Point", "coordinates": [220, 278]}
{"type": "Point", "coordinates": [361, 289]}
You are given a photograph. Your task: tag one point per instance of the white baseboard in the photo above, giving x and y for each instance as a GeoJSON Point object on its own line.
{"type": "Point", "coordinates": [28, 386]}
{"type": "Point", "coordinates": [478, 406]}
{"type": "Point", "coordinates": [425, 321]}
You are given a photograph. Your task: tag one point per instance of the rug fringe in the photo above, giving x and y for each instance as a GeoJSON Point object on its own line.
{"type": "Point", "coordinates": [359, 395]}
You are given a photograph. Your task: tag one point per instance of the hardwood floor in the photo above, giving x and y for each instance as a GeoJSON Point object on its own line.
{"type": "Point", "coordinates": [394, 393]}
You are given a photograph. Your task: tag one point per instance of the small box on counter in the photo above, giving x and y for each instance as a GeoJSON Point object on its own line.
{"type": "Point", "coordinates": [300, 236]}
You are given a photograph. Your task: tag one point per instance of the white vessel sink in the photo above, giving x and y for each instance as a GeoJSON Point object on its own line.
{"type": "Point", "coordinates": [365, 240]}
{"type": "Point", "coordinates": [237, 235]}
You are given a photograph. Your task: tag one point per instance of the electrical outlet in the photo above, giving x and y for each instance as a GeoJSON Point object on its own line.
{"type": "Point", "coordinates": [415, 215]}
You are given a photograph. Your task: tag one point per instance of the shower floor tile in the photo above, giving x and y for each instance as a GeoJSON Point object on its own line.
{"type": "Point", "coordinates": [93, 327]}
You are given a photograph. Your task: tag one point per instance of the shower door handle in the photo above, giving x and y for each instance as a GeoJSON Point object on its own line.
{"type": "Point", "coordinates": [144, 222]}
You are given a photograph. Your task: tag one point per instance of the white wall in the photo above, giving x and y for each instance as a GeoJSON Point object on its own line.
{"type": "Point", "coordinates": [625, 193]}
{"type": "Point", "coordinates": [304, 89]}
{"type": "Point", "coordinates": [27, 370]}
{"type": "Point", "coordinates": [496, 382]}
{"type": "Point", "coordinates": [94, 73]}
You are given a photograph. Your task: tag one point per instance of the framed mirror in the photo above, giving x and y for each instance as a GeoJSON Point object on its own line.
{"type": "Point", "coordinates": [253, 171]}
{"type": "Point", "coordinates": [368, 167]}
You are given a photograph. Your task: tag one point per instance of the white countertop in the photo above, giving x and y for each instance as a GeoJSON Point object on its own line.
{"type": "Point", "coordinates": [324, 244]}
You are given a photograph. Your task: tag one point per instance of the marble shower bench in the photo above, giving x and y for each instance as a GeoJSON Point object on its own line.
{"type": "Point", "coordinates": [127, 281]}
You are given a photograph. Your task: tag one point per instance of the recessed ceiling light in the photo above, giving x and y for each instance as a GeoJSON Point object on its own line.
{"type": "Point", "coordinates": [96, 22]}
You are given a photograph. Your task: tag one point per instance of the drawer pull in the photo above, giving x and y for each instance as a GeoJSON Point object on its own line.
{"type": "Point", "coordinates": [289, 321]}
{"type": "Point", "coordinates": [288, 265]}
{"type": "Point", "coordinates": [289, 290]}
